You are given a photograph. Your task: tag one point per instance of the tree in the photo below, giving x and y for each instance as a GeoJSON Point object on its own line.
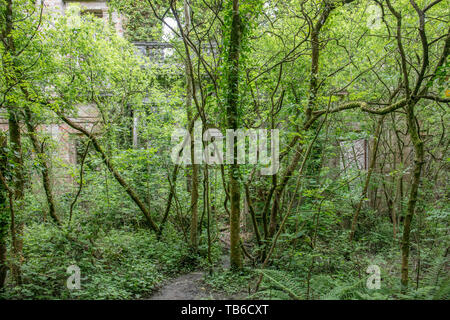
{"type": "Point", "coordinates": [233, 123]}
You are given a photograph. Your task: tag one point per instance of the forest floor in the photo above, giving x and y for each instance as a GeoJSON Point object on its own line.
{"type": "Point", "coordinates": [185, 287]}
{"type": "Point", "coordinates": [191, 286]}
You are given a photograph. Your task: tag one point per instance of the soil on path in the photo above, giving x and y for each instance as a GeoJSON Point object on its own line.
{"type": "Point", "coordinates": [191, 287]}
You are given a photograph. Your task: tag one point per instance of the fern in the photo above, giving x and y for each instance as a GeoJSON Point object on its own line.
{"type": "Point", "coordinates": [443, 291]}
{"type": "Point", "coordinates": [433, 279]}
{"type": "Point", "coordinates": [284, 281]}
{"type": "Point", "coordinates": [346, 291]}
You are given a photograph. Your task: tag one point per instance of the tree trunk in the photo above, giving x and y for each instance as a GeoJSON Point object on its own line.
{"type": "Point", "coordinates": [3, 214]}
{"type": "Point", "coordinates": [312, 101]}
{"type": "Point", "coordinates": [130, 191]}
{"type": "Point", "coordinates": [40, 155]}
{"type": "Point", "coordinates": [172, 183]}
{"type": "Point", "coordinates": [14, 135]}
{"type": "Point", "coordinates": [232, 121]}
{"type": "Point", "coordinates": [413, 131]}
{"type": "Point", "coordinates": [194, 167]}
{"type": "Point", "coordinates": [19, 183]}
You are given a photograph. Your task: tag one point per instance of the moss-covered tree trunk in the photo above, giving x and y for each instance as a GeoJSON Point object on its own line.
{"type": "Point", "coordinates": [3, 214]}
{"type": "Point", "coordinates": [45, 170]}
{"type": "Point", "coordinates": [15, 147]}
{"type": "Point", "coordinates": [232, 121]}
{"type": "Point", "coordinates": [194, 166]}
{"type": "Point", "coordinates": [19, 183]}
{"type": "Point", "coordinates": [413, 132]}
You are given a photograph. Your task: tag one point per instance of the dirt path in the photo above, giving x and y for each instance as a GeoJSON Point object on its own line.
{"type": "Point", "coordinates": [186, 287]}
{"type": "Point", "coordinates": [190, 287]}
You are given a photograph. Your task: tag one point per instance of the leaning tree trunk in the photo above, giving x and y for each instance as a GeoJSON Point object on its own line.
{"type": "Point", "coordinates": [106, 160]}
{"type": "Point", "coordinates": [312, 102]}
{"type": "Point", "coordinates": [40, 155]}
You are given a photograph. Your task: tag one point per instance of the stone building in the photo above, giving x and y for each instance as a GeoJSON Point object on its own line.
{"type": "Point", "coordinates": [65, 137]}
{"type": "Point", "coordinates": [97, 8]}
{"type": "Point", "coordinates": [354, 153]}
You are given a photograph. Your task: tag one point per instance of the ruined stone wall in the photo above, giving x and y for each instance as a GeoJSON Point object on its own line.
{"type": "Point", "coordinates": [60, 6]}
{"type": "Point", "coordinates": [61, 141]}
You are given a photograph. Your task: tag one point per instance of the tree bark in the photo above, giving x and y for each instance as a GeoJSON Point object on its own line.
{"type": "Point", "coordinates": [3, 214]}
{"type": "Point", "coordinates": [14, 136]}
{"type": "Point", "coordinates": [194, 167]}
{"type": "Point", "coordinates": [413, 131]}
{"type": "Point", "coordinates": [19, 185]}
{"type": "Point", "coordinates": [40, 155]}
{"type": "Point", "coordinates": [232, 120]}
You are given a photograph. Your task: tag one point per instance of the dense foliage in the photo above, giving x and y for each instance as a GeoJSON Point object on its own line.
{"type": "Point", "coordinates": [358, 90]}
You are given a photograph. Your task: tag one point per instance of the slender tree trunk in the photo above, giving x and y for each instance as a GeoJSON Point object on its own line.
{"type": "Point", "coordinates": [283, 222]}
{"type": "Point", "coordinates": [253, 216]}
{"type": "Point", "coordinates": [172, 183]}
{"type": "Point", "coordinates": [399, 206]}
{"type": "Point", "coordinates": [194, 167]}
{"type": "Point", "coordinates": [398, 209]}
{"type": "Point", "coordinates": [274, 211]}
{"type": "Point", "coordinates": [19, 184]}
{"type": "Point", "coordinates": [280, 187]}
{"type": "Point", "coordinates": [194, 208]}
{"type": "Point", "coordinates": [208, 212]}
{"type": "Point", "coordinates": [413, 131]}
{"type": "Point", "coordinates": [40, 154]}
{"type": "Point", "coordinates": [312, 101]}
{"type": "Point", "coordinates": [14, 136]}
{"type": "Point", "coordinates": [3, 214]}
{"type": "Point", "coordinates": [232, 120]}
